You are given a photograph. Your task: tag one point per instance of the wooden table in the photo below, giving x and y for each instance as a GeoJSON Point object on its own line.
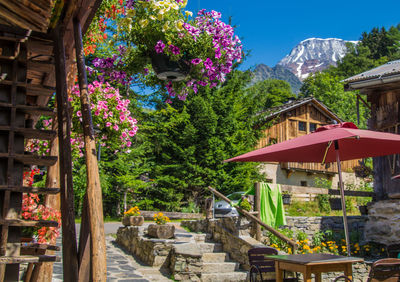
{"type": "Point", "coordinates": [313, 263]}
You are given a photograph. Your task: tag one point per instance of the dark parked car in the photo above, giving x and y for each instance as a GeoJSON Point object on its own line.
{"type": "Point", "coordinates": [222, 208]}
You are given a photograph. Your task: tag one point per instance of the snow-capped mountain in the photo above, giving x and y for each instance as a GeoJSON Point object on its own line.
{"type": "Point", "coordinates": [314, 54]}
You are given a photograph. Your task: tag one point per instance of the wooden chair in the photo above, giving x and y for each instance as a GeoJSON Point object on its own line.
{"type": "Point", "coordinates": [383, 270]}
{"type": "Point", "coordinates": [260, 265]}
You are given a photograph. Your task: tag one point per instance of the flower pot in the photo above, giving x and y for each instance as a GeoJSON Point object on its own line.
{"type": "Point", "coordinates": [286, 198]}
{"type": "Point", "coordinates": [132, 220]}
{"type": "Point", "coordinates": [167, 69]}
{"type": "Point", "coordinates": [363, 210]}
{"type": "Point", "coordinates": [336, 204]}
{"type": "Point", "coordinates": [161, 231]}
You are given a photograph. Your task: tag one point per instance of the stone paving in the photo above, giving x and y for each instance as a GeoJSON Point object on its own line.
{"type": "Point", "coordinates": [121, 266]}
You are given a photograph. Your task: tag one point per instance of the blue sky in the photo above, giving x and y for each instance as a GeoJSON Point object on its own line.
{"type": "Point", "coordinates": [270, 29]}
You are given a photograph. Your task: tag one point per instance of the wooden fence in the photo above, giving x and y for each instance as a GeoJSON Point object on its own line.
{"type": "Point", "coordinates": [302, 193]}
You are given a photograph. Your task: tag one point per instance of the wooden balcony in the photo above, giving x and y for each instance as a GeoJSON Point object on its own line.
{"type": "Point", "coordinates": [317, 167]}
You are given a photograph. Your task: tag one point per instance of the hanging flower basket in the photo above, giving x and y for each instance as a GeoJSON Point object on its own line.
{"type": "Point", "coordinates": [161, 231]}
{"type": "Point", "coordinates": [133, 220]}
{"type": "Point", "coordinates": [167, 69]}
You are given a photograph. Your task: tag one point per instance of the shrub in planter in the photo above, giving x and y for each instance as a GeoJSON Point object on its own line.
{"type": "Point", "coordinates": [132, 217]}
{"type": "Point", "coordinates": [161, 229]}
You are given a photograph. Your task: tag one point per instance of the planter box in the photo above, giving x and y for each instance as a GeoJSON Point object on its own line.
{"type": "Point", "coordinates": [162, 231]}
{"type": "Point", "coordinates": [132, 220]}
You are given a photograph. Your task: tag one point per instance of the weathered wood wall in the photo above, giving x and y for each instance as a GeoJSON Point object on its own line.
{"type": "Point", "coordinates": [385, 117]}
{"type": "Point", "coordinates": [286, 127]}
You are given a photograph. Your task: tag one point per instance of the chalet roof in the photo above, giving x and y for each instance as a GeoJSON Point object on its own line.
{"type": "Point", "coordinates": [386, 73]}
{"type": "Point", "coordinates": [292, 104]}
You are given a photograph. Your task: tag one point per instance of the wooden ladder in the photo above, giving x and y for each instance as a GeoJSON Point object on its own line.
{"type": "Point", "coordinates": [18, 106]}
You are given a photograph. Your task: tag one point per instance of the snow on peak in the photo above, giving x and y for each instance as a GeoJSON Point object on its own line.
{"type": "Point", "coordinates": [314, 54]}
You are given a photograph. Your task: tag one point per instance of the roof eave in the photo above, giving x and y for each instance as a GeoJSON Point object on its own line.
{"type": "Point", "coordinates": [356, 85]}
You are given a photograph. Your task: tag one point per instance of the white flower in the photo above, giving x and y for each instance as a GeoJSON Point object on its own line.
{"type": "Point", "coordinates": [188, 13]}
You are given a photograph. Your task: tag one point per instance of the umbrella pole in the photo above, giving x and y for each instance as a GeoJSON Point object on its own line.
{"type": "Point", "coordinates": [346, 227]}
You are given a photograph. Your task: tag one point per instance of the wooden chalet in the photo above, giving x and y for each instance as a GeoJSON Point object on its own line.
{"type": "Point", "coordinates": [381, 86]}
{"type": "Point", "coordinates": [297, 118]}
{"type": "Point", "coordinates": [40, 54]}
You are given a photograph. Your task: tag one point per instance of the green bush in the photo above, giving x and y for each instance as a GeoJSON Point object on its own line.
{"type": "Point", "coordinates": [244, 204]}
{"type": "Point", "coordinates": [191, 208]}
{"type": "Point", "coordinates": [323, 203]}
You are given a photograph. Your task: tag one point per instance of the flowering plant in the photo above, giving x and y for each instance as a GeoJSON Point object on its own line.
{"type": "Point", "coordinates": [205, 43]}
{"type": "Point", "coordinates": [33, 210]}
{"type": "Point", "coordinates": [110, 116]}
{"type": "Point", "coordinates": [160, 218]}
{"type": "Point", "coordinates": [134, 211]}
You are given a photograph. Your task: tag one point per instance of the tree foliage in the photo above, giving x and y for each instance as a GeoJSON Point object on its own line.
{"type": "Point", "coordinates": [190, 140]}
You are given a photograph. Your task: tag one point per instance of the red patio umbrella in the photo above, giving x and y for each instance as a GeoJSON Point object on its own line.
{"type": "Point", "coordinates": [337, 142]}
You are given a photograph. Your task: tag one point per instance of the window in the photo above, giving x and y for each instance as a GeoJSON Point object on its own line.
{"type": "Point", "coordinates": [313, 127]}
{"type": "Point", "coordinates": [302, 126]}
{"type": "Point", "coordinates": [303, 183]}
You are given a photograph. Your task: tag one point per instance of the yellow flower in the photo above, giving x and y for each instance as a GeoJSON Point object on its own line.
{"type": "Point", "coordinates": [143, 23]}
{"type": "Point", "coordinates": [188, 13]}
{"type": "Point", "coordinates": [153, 18]}
{"type": "Point", "coordinates": [165, 27]}
{"type": "Point", "coordinates": [160, 16]}
{"type": "Point", "coordinates": [179, 25]}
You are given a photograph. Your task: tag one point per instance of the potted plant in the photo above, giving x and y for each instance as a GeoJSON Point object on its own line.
{"type": "Point", "coordinates": [164, 42]}
{"type": "Point", "coordinates": [286, 197]}
{"type": "Point", "coordinates": [161, 229]}
{"type": "Point", "coordinates": [132, 217]}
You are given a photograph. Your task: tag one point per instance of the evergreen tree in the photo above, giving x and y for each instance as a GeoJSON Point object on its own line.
{"type": "Point", "coordinates": [189, 141]}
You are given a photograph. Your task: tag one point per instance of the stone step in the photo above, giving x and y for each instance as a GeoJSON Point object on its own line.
{"type": "Point", "coordinates": [202, 237]}
{"type": "Point", "coordinates": [219, 267]}
{"type": "Point", "coordinates": [210, 247]}
{"type": "Point", "coordinates": [215, 257]}
{"type": "Point", "coordinates": [237, 276]}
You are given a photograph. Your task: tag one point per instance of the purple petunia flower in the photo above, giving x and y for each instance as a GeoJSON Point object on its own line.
{"type": "Point", "coordinates": [208, 63]}
{"type": "Point", "coordinates": [196, 61]}
{"type": "Point", "coordinates": [174, 49]}
{"type": "Point", "coordinates": [159, 47]}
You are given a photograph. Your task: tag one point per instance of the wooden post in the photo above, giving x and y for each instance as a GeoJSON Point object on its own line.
{"type": "Point", "coordinates": [94, 195]}
{"type": "Point", "coordinates": [257, 208]}
{"type": "Point", "coordinates": [70, 256]}
{"type": "Point", "coordinates": [252, 217]}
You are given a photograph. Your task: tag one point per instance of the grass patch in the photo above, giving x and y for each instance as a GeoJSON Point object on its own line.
{"type": "Point", "coordinates": [297, 208]}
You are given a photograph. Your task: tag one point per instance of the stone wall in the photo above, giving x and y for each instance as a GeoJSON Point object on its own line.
{"type": "Point", "coordinates": [154, 252]}
{"type": "Point", "coordinates": [232, 232]}
{"type": "Point", "coordinates": [311, 225]}
{"type": "Point", "coordinates": [383, 223]}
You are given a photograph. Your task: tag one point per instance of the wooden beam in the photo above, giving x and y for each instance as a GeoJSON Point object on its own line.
{"type": "Point", "coordinates": [94, 193]}
{"type": "Point", "coordinates": [257, 208]}
{"type": "Point", "coordinates": [70, 253]}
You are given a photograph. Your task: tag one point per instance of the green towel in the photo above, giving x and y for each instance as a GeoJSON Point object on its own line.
{"type": "Point", "coordinates": [272, 212]}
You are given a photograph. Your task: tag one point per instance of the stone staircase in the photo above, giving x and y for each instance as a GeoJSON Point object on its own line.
{"type": "Point", "coordinates": [206, 259]}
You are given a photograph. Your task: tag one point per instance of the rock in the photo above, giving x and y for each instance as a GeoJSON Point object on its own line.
{"type": "Point", "coordinates": [133, 220]}
{"type": "Point", "coordinates": [163, 231]}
